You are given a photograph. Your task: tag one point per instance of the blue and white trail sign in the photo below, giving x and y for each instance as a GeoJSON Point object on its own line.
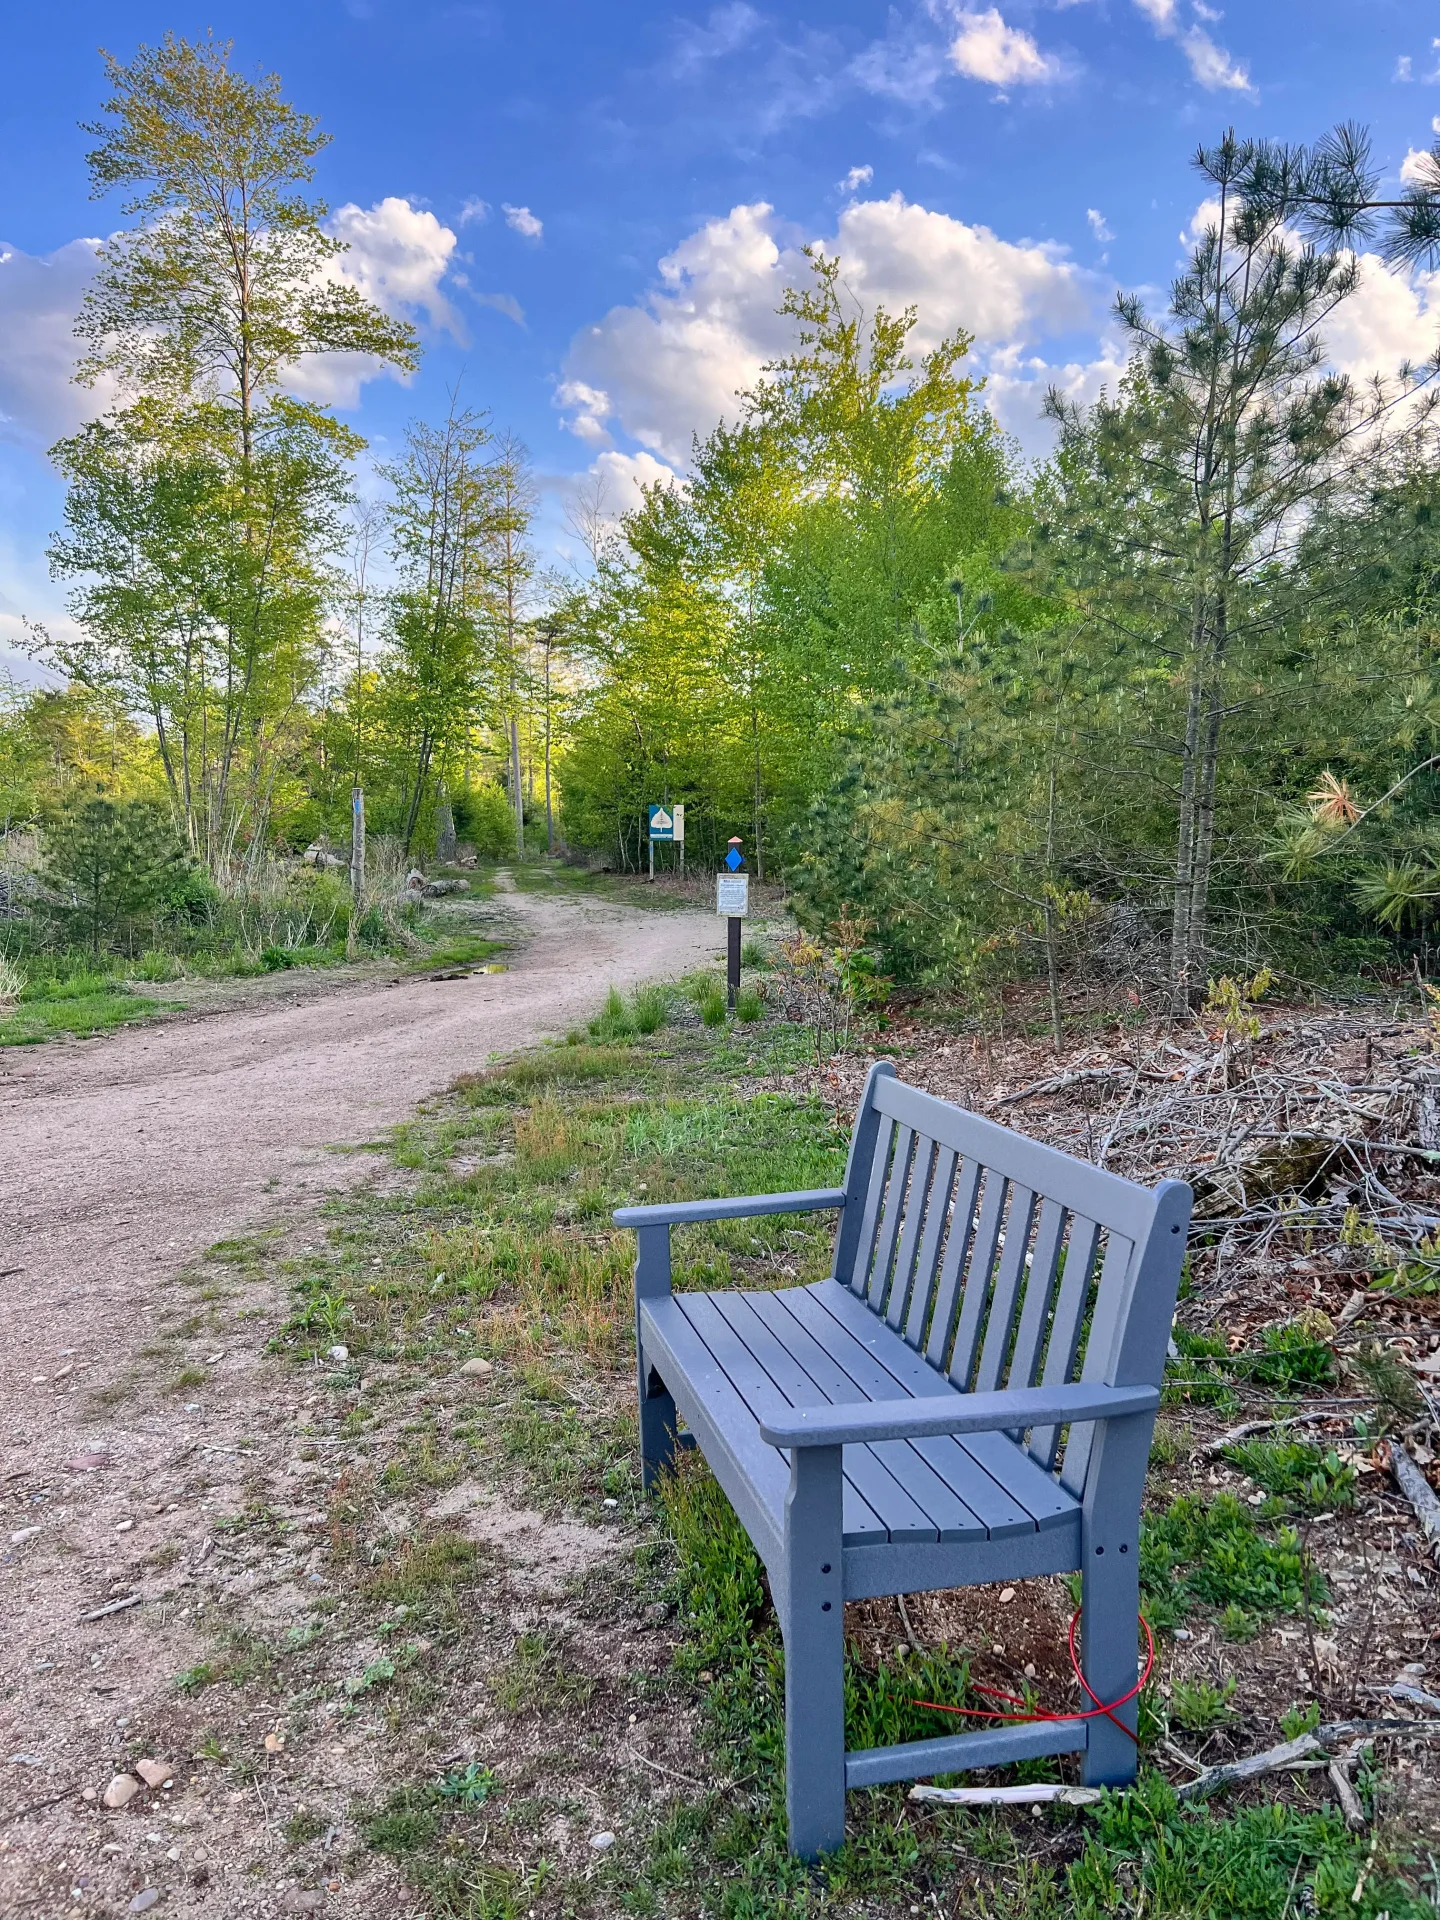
{"type": "Point", "coordinates": [667, 823]}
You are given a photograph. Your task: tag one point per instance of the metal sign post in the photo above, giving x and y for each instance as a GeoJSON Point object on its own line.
{"type": "Point", "coordinates": [732, 899]}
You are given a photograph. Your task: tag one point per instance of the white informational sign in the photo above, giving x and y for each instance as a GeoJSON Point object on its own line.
{"type": "Point", "coordinates": [732, 895]}
{"type": "Point", "coordinates": [679, 833]}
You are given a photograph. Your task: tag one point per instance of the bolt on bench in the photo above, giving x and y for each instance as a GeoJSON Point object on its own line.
{"type": "Point", "coordinates": [969, 1398]}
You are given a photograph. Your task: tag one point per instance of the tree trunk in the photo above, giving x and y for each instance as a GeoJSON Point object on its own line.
{"type": "Point", "coordinates": [516, 791]}
{"type": "Point", "coordinates": [444, 829]}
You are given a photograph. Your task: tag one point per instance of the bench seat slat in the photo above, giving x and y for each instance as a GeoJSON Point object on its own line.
{"type": "Point", "coordinates": [756, 1392]}
{"type": "Point", "coordinates": [952, 1519]}
{"type": "Point", "coordinates": [897, 1504]}
{"type": "Point", "coordinates": [753, 1474]}
{"type": "Point", "coordinates": [1046, 1503]}
{"type": "Point", "coordinates": [987, 1496]}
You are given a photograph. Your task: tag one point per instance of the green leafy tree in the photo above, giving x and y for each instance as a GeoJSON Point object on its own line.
{"type": "Point", "coordinates": [228, 280]}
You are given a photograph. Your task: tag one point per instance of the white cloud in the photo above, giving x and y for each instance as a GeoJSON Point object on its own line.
{"type": "Point", "coordinates": [589, 408]}
{"type": "Point", "coordinates": [1418, 169]}
{"type": "Point", "coordinates": [985, 48]}
{"type": "Point", "coordinates": [857, 177]}
{"type": "Point", "coordinates": [472, 210]}
{"type": "Point", "coordinates": [523, 221]}
{"type": "Point", "coordinates": [1212, 66]}
{"type": "Point", "coordinates": [1404, 68]}
{"type": "Point", "coordinates": [621, 477]}
{"type": "Point", "coordinates": [398, 255]}
{"type": "Point", "coordinates": [40, 295]}
{"type": "Point", "coordinates": [1390, 318]}
{"type": "Point", "coordinates": [1097, 225]}
{"type": "Point", "coordinates": [670, 365]}
{"type": "Point", "coordinates": [727, 29]}
{"type": "Point", "coordinates": [505, 303]}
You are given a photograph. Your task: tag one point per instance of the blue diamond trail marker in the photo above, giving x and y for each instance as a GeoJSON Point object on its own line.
{"type": "Point", "coordinates": [734, 859]}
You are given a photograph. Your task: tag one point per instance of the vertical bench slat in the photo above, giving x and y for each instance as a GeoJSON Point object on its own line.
{"type": "Point", "coordinates": [859, 1277]}
{"type": "Point", "coordinates": [952, 1269]}
{"type": "Point", "coordinates": [977, 1280]}
{"type": "Point", "coordinates": [1065, 1326]}
{"type": "Point", "coordinates": [1044, 1260]}
{"type": "Point", "coordinates": [1007, 1290]}
{"type": "Point", "coordinates": [894, 1214]}
{"type": "Point", "coordinates": [915, 1211]}
{"type": "Point", "coordinates": [1098, 1350]}
{"type": "Point", "coordinates": [936, 1214]}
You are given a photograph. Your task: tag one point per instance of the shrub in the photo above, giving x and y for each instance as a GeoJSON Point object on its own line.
{"type": "Point", "coordinates": [749, 1007]}
{"type": "Point", "coordinates": [109, 864]}
{"type": "Point", "coordinates": [712, 1007]}
{"type": "Point", "coordinates": [1296, 1471]}
{"type": "Point", "coordinates": [484, 817]}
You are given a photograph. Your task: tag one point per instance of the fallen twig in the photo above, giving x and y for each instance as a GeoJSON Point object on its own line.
{"type": "Point", "coordinates": [1008, 1796]}
{"type": "Point", "coordinates": [1416, 1489]}
{"type": "Point", "coordinates": [38, 1806]}
{"type": "Point", "coordinates": [1058, 1082]}
{"type": "Point", "coordinates": [115, 1606]}
{"type": "Point", "coordinates": [1248, 1427]}
{"type": "Point", "coordinates": [1289, 1752]}
{"type": "Point", "coordinates": [1350, 1803]}
{"type": "Point", "coordinates": [909, 1630]}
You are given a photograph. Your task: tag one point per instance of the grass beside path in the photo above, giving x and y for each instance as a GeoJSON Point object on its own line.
{"type": "Point", "coordinates": [647, 1701]}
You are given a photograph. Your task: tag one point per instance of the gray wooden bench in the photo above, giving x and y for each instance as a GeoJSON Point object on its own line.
{"type": "Point", "coordinates": [969, 1398]}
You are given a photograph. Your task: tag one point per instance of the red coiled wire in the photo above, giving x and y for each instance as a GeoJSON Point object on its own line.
{"type": "Point", "coordinates": [1105, 1708]}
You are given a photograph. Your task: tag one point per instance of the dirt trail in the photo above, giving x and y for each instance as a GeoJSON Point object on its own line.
{"type": "Point", "coordinates": [126, 1156]}
{"type": "Point", "coordinates": [121, 1161]}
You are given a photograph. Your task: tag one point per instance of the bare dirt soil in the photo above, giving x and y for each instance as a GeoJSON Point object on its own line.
{"type": "Point", "coordinates": [122, 1161]}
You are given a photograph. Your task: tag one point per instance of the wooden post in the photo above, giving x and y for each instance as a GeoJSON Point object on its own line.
{"type": "Point", "coordinates": [732, 967]}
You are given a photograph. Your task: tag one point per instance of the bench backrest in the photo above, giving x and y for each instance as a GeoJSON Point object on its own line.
{"type": "Point", "coordinates": [1004, 1262]}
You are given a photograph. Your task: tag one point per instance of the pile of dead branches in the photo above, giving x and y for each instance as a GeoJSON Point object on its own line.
{"type": "Point", "coordinates": [1326, 1125]}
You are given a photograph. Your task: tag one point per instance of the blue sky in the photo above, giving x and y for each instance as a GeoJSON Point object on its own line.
{"type": "Point", "coordinates": [591, 212]}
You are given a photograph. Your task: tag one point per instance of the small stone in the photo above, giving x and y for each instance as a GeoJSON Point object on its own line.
{"type": "Point", "coordinates": [339, 1353]}
{"type": "Point", "coordinates": [274, 1743]}
{"type": "Point", "coordinates": [124, 1526]}
{"type": "Point", "coordinates": [22, 1534]}
{"type": "Point", "coordinates": [1029, 1669]}
{"type": "Point", "coordinates": [657, 1611]}
{"type": "Point", "coordinates": [476, 1368]}
{"type": "Point", "coordinates": [121, 1791]}
{"type": "Point", "coordinates": [1007, 1594]}
{"type": "Point", "coordinates": [87, 1463]}
{"type": "Point", "coordinates": [611, 1503]}
{"type": "Point", "coordinates": [602, 1841]}
{"type": "Point", "coordinates": [155, 1773]}
{"type": "Point", "coordinates": [147, 1898]}
{"type": "Point", "coordinates": [88, 1793]}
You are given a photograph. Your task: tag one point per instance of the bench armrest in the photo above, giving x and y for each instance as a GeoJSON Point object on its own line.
{"type": "Point", "coordinates": [954, 1413]}
{"type": "Point", "coordinates": [684, 1213]}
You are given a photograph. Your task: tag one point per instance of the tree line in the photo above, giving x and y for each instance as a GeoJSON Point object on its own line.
{"type": "Point", "coordinates": [1170, 693]}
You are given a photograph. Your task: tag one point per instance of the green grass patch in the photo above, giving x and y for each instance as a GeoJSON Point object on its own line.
{"type": "Point", "coordinates": [1309, 1478]}
{"type": "Point", "coordinates": [1216, 1553]}
{"type": "Point", "coordinates": [84, 1005]}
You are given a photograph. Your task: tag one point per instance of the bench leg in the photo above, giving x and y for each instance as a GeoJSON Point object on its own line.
{"type": "Point", "coordinates": [657, 1426]}
{"type": "Point", "coordinates": [812, 1620]}
{"type": "Point", "coordinates": [1110, 1593]}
